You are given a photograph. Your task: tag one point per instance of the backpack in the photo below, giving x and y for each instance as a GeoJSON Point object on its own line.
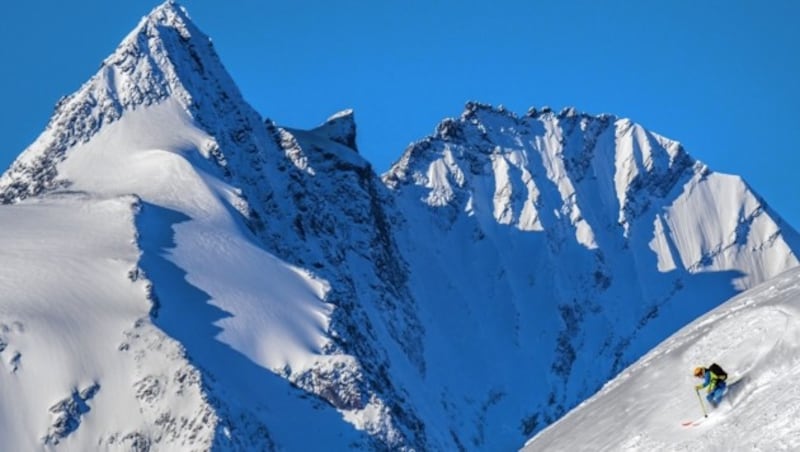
{"type": "Point", "coordinates": [717, 370]}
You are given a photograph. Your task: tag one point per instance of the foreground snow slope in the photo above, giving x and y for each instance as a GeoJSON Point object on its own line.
{"type": "Point", "coordinates": [755, 337]}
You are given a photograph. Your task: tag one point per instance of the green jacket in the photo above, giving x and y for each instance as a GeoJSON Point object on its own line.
{"type": "Point", "coordinates": [710, 379]}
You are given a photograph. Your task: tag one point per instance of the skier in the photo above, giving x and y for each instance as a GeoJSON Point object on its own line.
{"type": "Point", "coordinates": [714, 378]}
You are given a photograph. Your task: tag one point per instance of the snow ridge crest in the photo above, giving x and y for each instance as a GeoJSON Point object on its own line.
{"type": "Point", "coordinates": [540, 161]}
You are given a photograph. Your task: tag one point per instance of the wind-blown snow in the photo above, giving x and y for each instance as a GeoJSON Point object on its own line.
{"type": "Point", "coordinates": [755, 337]}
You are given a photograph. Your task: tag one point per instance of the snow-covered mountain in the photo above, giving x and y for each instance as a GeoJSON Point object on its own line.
{"type": "Point", "coordinates": [571, 243]}
{"type": "Point", "coordinates": [755, 337]}
{"type": "Point", "coordinates": [180, 273]}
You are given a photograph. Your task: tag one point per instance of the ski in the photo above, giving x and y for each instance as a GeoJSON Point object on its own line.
{"type": "Point", "coordinates": [695, 422]}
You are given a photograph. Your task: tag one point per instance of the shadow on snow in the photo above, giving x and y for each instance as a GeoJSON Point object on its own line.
{"type": "Point", "coordinates": [235, 386]}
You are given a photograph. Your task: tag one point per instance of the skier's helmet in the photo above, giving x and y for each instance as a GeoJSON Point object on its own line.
{"type": "Point", "coordinates": [698, 371]}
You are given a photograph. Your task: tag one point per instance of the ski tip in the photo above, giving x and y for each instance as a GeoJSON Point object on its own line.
{"type": "Point", "coordinates": [695, 422]}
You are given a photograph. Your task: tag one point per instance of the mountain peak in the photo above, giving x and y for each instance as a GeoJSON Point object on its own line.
{"type": "Point", "coordinates": [165, 56]}
{"type": "Point", "coordinates": [568, 147]}
{"type": "Point", "coordinates": [473, 110]}
{"type": "Point", "coordinates": [168, 15]}
{"type": "Point", "coordinates": [341, 128]}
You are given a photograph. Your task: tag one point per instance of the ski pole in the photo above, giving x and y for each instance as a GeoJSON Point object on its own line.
{"type": "Point", "coordinates": [702, 405]}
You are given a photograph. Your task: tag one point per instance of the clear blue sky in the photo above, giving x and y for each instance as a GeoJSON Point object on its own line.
{"type": "Point", "coordinates": [722, 77]}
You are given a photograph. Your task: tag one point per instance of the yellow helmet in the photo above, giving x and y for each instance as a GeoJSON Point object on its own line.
{"type": "Point", "coordinates": [699, 371]}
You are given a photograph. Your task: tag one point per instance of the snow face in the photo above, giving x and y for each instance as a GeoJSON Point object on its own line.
{"type": "Point", "coordinates": [755, 337]}
{"type": "Point", "coordinates": [192, 294]}
{"type": "Point", "coordinates": [259, 277]}
{"type": "Point", "coordinates": [42, 294]}
{"type": "Point", "coordinates": [166, 170]}
{"type": "Point", "coordinates": [82, 364]}
{"type": "Point", "coordinates": [573, 244]}
{"type": "Point", "coordinates": [165, 57]}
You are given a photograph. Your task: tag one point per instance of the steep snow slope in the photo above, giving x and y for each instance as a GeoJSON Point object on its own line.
{"type": "Point", "coordinates": [162, 120]}
{"type": "Point", "coordinates": [500, 273]}
{"type": "Point", "coordinates": [62, 296]}
{"type": "Point", "coordinates": [754, 336]}
{"type": "Point", "coordinates": [573, 244]}
{"type": "Point", "coordinates": [234, 310]}
{"type": "Point", "coordinates": [341, 221]}
{"type": "Point", "coordinates": [152, 123]}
